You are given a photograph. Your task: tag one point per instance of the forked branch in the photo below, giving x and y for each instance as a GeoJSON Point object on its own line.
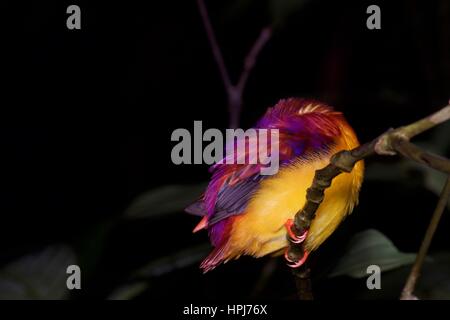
{"type": "Point", "coordinates": [234, 91]}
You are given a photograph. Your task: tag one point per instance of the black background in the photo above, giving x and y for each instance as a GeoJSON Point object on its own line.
{"type": "Point", "coordinates": [86, 118]}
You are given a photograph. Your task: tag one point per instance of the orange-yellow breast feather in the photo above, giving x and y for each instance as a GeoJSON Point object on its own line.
{"type": "Point", "coordinates": [310, 133]}
{"type": "Point", "coordinates": [261, 231]}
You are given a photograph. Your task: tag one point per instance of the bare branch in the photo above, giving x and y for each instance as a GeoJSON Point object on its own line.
{"type": "Point", "coordinates": [234, 91]}
{"type": "Point", "coordinates": [427, 123]}
{"type": "Point", "coordinates": [411, 151]}
{"type": "Point", "coordinates": [252, 55]}
{"type": "Point", "coordinates": [214, 45]}
{"type": "Point", "coordinates": [235, 95]}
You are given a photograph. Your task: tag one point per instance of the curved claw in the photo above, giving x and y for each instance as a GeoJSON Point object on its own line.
{"type": "Point", "coordinates": [294, 264]}
{"type": "Point", "coordinates": [295, 238]}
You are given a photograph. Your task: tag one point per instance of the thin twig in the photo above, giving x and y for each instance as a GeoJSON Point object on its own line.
{"type": "Point", "coordinates": [408, 290]}
{"type": "Point", "coordinates": [252, 55]}
{"type": "Point", "coordinates": [390, 143]}
{"type": "Point", "coordinates": [234, 91]}
{"type": "Point", "coordinates": [214, 45]}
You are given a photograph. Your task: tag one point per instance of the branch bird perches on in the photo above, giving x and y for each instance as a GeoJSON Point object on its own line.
{"type": "Point", "coordinates": [389, 143]}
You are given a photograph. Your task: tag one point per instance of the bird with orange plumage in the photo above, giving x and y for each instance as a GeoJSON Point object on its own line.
{"type": "Point", "coordinates": [247, 213]}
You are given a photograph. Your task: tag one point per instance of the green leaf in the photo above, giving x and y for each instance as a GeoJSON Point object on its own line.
{"type": "Point", "coordinates": [432, 284]}
{"type": "Point", "coordinates": [370, 247]}
{"type": "Point", "coordinates": [139, 279]}
{"type": "Point", "coordinates": [164, 200]}
{"type": "Point", "coordinates": [39, 276]}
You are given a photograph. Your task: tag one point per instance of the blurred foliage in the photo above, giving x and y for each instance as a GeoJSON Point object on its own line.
{"type": "Point", "coordinates": [128, 292]}
{"type": "Point", "coordinates": [141, 278]}
{"type": "Point", "coordinates": [164, 200]}
{"type": "Point", "coordinates": [433, 283]}
{"type": "Point", "coordinates": [181, 259]}
{"type": "Point", "coordinates": [370, 247]}
{"type": "Point", "coordinates": [38, 276]}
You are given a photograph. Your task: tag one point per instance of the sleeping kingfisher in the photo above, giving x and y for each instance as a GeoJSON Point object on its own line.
{"type": "Point", "coordinates": [246, 213]}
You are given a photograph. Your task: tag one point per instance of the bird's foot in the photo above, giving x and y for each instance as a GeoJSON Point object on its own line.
{"type": "Point", "coordinates": [293, 237]}
{"type": "Point", "coordinates": [295, 264]}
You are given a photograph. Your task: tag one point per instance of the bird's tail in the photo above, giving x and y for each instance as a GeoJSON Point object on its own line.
{"type": "Point", "coordinates": [215, 258]}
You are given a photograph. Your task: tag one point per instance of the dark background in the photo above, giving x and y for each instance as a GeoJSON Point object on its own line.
{"type": "Point", "coordinates": [87, 115]}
